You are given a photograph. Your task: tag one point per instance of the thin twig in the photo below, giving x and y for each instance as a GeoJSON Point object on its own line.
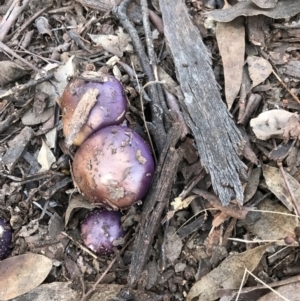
{"type": "Point", "coordinates": [11, 16]}
{"type": "Point", "coordinates": [29, 84]}
{"type": "Point", "coordinates": [94, 287]}
{"type": "Point", "coordinates": [17, 33]}
{"type": "Point", "coordinates": [80, 245]}
{"type": "Point", "coordinates": [143, 115]}
{"type": "Point", "coordinates": [266, 285]}
{"type": "Point", "coordinates": [12, 53]}
{"type": "Point", "coordinates": [285, 86]}
{"type": "Point", "coordinates": [155, 105]}
{"type": "Point", "coordinates": [295, 204]}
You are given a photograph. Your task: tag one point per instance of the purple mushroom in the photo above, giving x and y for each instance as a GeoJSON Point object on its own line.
{"type": "Point", "coordinates": [100, 229]}
{"type": "Point", "coordinates": [5, 238]}
{"type": "Point", "coordinates": [114, 167]}
{"type": "Point", "coordinates": [109, 109]}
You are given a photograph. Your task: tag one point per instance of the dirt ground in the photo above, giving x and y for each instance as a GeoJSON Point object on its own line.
{"type": "Point", "coordinates": [213, 89]}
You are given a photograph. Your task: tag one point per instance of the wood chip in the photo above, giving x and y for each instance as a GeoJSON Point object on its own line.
{"type": "Point", "coordinates": [17, 148]}
{"type": "Point", "coordinates": [81, 114]}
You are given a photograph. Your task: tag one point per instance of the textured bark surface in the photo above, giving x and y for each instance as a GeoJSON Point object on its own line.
{"type": "Point", "coordinates": [218, 140]}
{"type": "Point", "coordinates": [154, 204]}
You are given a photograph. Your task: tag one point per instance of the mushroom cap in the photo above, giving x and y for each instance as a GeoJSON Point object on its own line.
{"type": "Point", "coordinates": [114, 167]}
{"type": "Point", "coordinates": [5, 238]}
{"type": "Point", "coordinates": [109, 109]}
{"type": "Point", "coordinates": [100, 229]}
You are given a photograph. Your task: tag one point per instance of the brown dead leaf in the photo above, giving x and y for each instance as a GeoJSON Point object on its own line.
{"type": "Point", "coordinates": [231, 42]}
{"type": "Point", "coordinates": [219, 218]}
{"type": "Point", "coordinates": [63, 74]}
{"type": "Point", "coordinates": [45, 157]}
{"type": "Point", "coordinates": [276, 184]}
{"type": "Point", "coordinates": [116, 44]}
{"type": "Point", "coordinates": [30, 228]}
{"type": "Point", "coordinates": [281, 151]}
{"type": "Point", "coordinates": [58, 291]}
{"type": "Point", "coordinates": [254, 292]}
{"type": "Point", "coordinates": [101, 5]}
{"type": "Point", "coordinates": [31, 118]}
{"type": "Point", "coordinates": [289, 291]}
{"type": "Point", "coordinates": [108, 292]}
{"type": "Point", "coordinates": [17, 147]}
{"type": "Point", "coordinates": [252, 184]}
{"type": "Point", "coordinates": [267, 225]}
{"type": "Point", "coordinates": [77, 202]}
{"type": "Point", "coordinates": [173, 245]}
{"type": "Point", "coordinates": [232, 209]}
{"type": "Point", "coordinates": [259, 69]}
{"type": "Point", "coordinates": [292, 129]}
{"type": "Point", "coordinates": [283, 9]}
{"type": "Point", "coordinates": [21, 274]}
{"type": "Point", "coordinates": [270, 124]}
{"type": "Point", "coordinates": [265, 3]}
{"type": "Point", "coordinates": [10, 72]}
{"type": "Point", "coordinates": [292, 68]}
{"type": "Point", "coordinates": [228, 274]}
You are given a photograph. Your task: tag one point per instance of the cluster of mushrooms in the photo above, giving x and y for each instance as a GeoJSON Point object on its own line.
{"type": "Point", "coordinates": [113, 166]}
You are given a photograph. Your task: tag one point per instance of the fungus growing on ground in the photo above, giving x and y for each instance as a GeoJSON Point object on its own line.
{"type": "Point", "coordinates": [109, 109]}
{"type": "Point", "coordinates": [5, 238]}
{"type": "Point", "coordinates": [114, 167]}
{"type": "Point", "coordinates": [100, 229]}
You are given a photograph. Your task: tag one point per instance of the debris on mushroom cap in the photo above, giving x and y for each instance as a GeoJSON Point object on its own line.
{"type": "Point", "coordinates": [101, 229]}
{"type": "Point", "coordinates": [5, 238]}
{"type": "Point", "coordinates": [109, 109]}
{"type": "Point", "coordinates": [114, 167]}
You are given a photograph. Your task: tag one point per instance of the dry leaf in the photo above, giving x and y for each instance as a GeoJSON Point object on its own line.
{"type": "Point", "coordinates": [252, 184]}
{"type": "Point", "coordinates": [58, 291]}
{"type": "Point", "coordinates": [265, 3]}
{"type": "Point", "coordinates": [108, 292]}
{"type": "Point", "coordinates": [292, 129]}
{"type": "Point", "coordinates": [227, 275]}
{"type": "Point", "coordinates": [292, 68]}
{"type": "Point", "coordinates": [270, 124]}
{"type": "Point", "coordinates": [259, 69]}
{"type": "Point", "coordinates": [219, 219]}
{"type": "Point", "coordinates": [21, 274]}
{"type": "Point", "coordinates": [231, 42]}
{"type": "Point", "coordinates": [101, 5]}
{"type": "Point", "coordinates": [267, 225]}
{"type": "Point", "coordinates": [116, 44]}
{"type": "Point", "coordinates": [31, 118]}
{"type": "Point", "coordinates": [276, 184]}
{"type": "Point", "coordinates": [77, 202]}
{"type": "Point", "coordinates": [10, 72]}
{"type": "Point", "coordinates": [29, 228]}
{"type": "Point", "coordinates": [283, 9]}
{"type": "Point", "coordinates": [117, 73]}
{"type": "Point", "coordinates": [63, 74]}
{"type": "Point", "coordinates": [289, 291]}
{"type": "Point", "coordinates": [51, 137]}
{"type": "Point", "coordinates": [173, 245]}
{"type": "Point", "coordinates": [45, 157]}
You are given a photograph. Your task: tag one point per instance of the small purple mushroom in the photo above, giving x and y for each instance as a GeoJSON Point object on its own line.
{"type": "Point", "coordinates": [100, 229]}
{"type": "Point", "coordinates": [5, 238]}
{"type": "Point", "coordinates": [114, 167]}
{"type": "Point", "coordinates": [109, 109]}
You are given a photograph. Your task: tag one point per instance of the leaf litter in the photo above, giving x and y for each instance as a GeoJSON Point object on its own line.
{"type": "Point", "coordinates": [258, 74]}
